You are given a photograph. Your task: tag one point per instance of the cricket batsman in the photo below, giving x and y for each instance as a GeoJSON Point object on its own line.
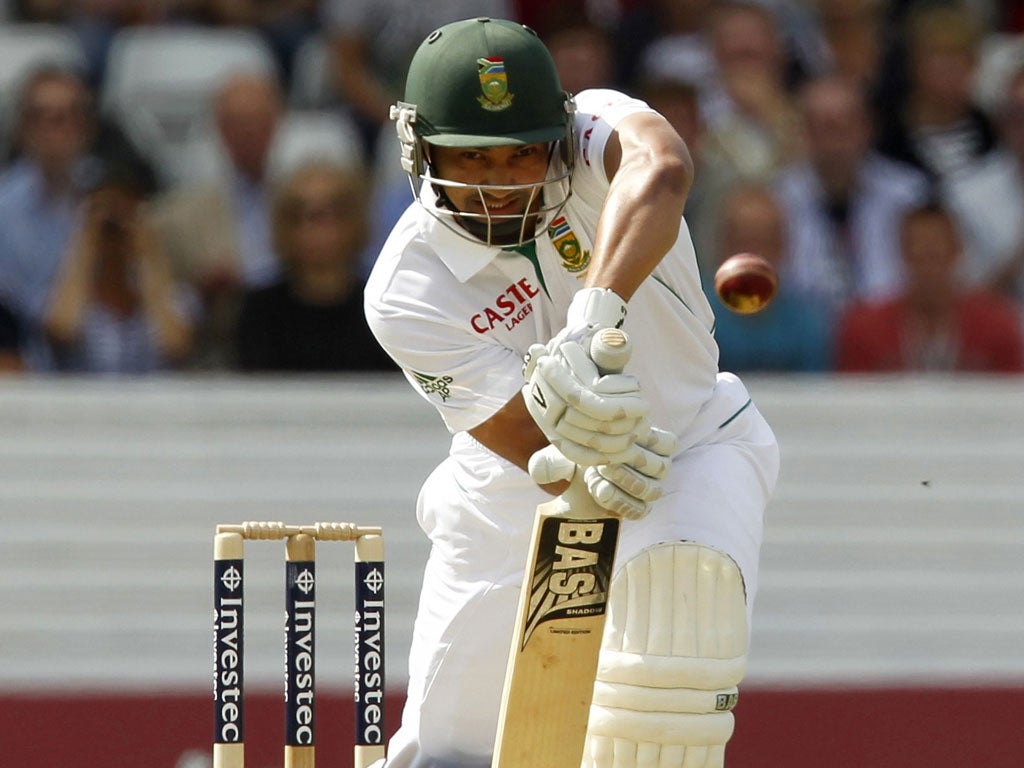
{"type": "Point", "coordinates": [540, 218]}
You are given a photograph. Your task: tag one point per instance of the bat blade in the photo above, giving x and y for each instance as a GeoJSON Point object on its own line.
{"type": "Point", "coordinates": [549, 681]}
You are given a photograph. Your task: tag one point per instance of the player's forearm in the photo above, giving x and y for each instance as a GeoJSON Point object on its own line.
{"type": "Point", "coordinates": [512, 434]}
{"type": "Point", "coordinates": [640, 219]}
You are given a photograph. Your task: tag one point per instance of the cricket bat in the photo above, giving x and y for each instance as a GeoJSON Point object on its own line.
{"type": "Point", "coordinates": [549, 681]}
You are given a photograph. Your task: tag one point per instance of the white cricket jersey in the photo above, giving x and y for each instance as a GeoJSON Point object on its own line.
{"type": "Point", "coordinates": [459, 316]}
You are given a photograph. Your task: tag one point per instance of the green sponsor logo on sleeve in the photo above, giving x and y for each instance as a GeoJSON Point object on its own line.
{"type": "Point", "coordinates": [435, 385]}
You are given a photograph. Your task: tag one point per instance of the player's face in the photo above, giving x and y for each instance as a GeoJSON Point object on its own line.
{"type": "Point", "coordinates": [488, 169]}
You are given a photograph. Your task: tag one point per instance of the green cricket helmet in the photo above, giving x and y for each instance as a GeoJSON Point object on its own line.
{"type": "Point", "coordinates": [486, 83]}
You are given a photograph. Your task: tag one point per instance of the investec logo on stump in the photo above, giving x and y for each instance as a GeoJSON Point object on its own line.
{"type": "Point", "coordinates": [369, 653]}
{"type": "Point", "coordinates": [228, 650]}
{"type": "Point", "coordinates": [301, 609]}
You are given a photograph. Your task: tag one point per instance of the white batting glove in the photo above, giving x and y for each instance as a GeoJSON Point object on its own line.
{"type": "Point", "coordinates": [625, 489]}
{"type": "Point", "coordinates": [628, 488]}
{"type": "Point", "coordinates": [548, 465]}
{"type": "Point", "coordinates": [590, 310]}
{"type": "Point", "coordinates": [592, 419]}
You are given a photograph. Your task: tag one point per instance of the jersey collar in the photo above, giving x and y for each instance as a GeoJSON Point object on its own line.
{"type": "Point", "coordinates": [463, 258]}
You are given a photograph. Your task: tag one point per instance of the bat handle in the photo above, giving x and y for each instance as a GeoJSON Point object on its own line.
{"type": "Point", "coordinates": [610, 349]}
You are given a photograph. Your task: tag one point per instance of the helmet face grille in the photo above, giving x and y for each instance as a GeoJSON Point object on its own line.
{"type": "Point", "coordinates": [545, 200]}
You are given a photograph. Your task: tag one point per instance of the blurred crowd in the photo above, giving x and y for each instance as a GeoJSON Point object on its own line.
{"type": "Point", "coordinates": [202, 185]}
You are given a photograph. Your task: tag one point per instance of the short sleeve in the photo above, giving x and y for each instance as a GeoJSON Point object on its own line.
{"type": "Point", "coordinates": [467, 377]}
{"type": "Point", "coordinates": [598, 112]}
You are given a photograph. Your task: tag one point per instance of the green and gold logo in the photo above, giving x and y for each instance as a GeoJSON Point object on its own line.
{"type": "Point", "coordinates": [494, 84]}
{"type": "Point", "coordinates": [574, 258]}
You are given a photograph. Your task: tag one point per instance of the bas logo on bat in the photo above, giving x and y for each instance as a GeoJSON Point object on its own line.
{"type": "Point", "coordinates": [573, 581]}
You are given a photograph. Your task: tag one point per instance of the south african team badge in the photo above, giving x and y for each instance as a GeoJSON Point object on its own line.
{"type": "Point", "coordinates": [494, 84]}
{"type": "Point", "coordinates": [574, 258]}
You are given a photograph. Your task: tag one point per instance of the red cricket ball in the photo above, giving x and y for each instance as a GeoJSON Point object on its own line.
{"type": "Point", "coordinates": [746, 283]}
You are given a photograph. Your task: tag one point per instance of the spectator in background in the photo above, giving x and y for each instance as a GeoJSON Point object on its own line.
{"type": "Point", "coordinates": [793, 333]}
{"type": "Point", "coordinates": [843, 203]}
{"type": "Point", "coordinates": [312, 320]}
{"type": "Point", "coordinates": [936, 126]}
{"type": "Point", "coordinates": [675, 39]}
{"type": "Point", "coordinates": [1010, 18]}
{"type": "Point", "coordinates": [988, 200]}
{"type": "Point", "coordinates": [248, 113]}
{"type": "Point", "coordinates": [217, 234]}
{"type": "Point", "coordinates": [372, 43]}
{"type": "Point", "coordinates": [718, 75]}
{"type": "Point", "coordinates": [583, 57]}
{"type": "Point", "coordinates": [545, 17]}
{"type": "Point", "coordinates": [854, 37]}
{"type": "Point", "coordinates": [115, 307]}
{"type": "Point", "coordinates": [752, 121]}
{"type": "Point", "coordinates": [10, 341]}
{"type": "Point", "coordinates": [681, 49]}
{"type": "Point", "coordinates": [678, 101]}
{"type": "Point", "coordinates": [94, 23]}
{"type": "Point", "coordinates": [934, 324]}
{"type": "Point", "coordinates": [285, 24]}
{"type": "Point", "coordinates": [40, 193]}
{"type": "Point", "coordinates": [40, 11]}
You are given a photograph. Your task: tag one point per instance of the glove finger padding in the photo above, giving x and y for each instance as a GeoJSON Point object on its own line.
{"type": "Point", "coordinates": [608, 399]}
{"type": "Point", "coordinates": [609, 494]}
{"type": "Point", "coordinates": [592, 419]}
{"type": "Point", "coordinates": [652, 456]}
{"type": "Point", "coordinates": [573, 375]}
{"type": "Point", "coordinates": [617, 446]}
{"type": "Point", "coordinates": [616, 487]}
{"type": "Point", "coordinates": [627, 488]}
{"type": "Point", "coordinates": [577, 418]}
{"type": "Point", "coordinates": [660, 441]}
{"type": "Point", "coordinates": [630, 480]}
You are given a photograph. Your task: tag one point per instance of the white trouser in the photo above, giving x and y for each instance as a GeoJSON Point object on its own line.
{"type": "Point", "coordinates": [715, 494]}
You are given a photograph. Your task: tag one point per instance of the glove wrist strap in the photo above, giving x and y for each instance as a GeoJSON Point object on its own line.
{"type": "Point", "coordinates": [596, 308]}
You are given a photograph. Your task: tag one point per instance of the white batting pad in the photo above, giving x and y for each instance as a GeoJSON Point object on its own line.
{"type": "Point", "coordinates": [675, 648]}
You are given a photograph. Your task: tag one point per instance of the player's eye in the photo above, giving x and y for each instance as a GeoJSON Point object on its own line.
{"type": "Point", "coordinates": [471, 155]}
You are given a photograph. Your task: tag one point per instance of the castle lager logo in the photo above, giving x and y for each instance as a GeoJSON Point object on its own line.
{"type": "Point", "coordinates": [494, 84]}
{"type": "Point", "coordinates": [574, 258]}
